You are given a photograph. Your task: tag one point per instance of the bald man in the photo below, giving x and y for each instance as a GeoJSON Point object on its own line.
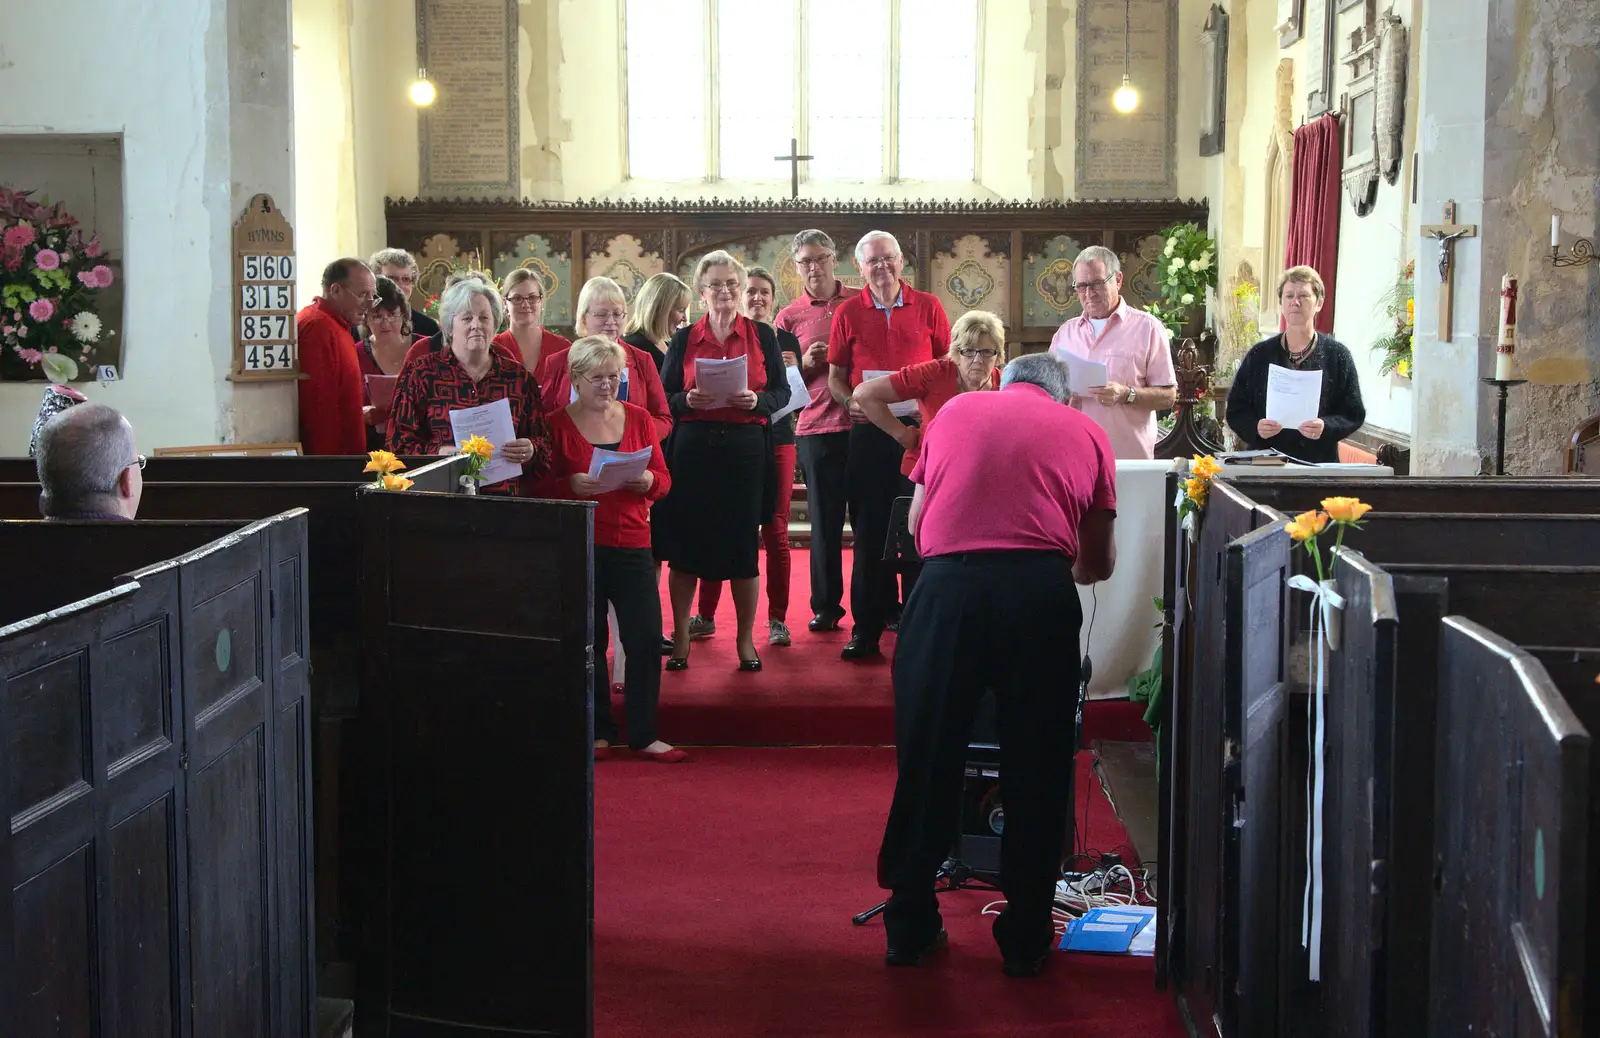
{"type": "Point", "coordinates": [88, 467]}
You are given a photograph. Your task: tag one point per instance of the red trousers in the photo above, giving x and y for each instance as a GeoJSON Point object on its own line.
{"type": "Point", "coordinates": [775, 542]}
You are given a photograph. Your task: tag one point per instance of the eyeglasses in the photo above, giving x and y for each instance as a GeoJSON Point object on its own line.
{"type": "Point", "coordinates": [811, 261]}
{"type": "Point", "coordinates": [723, 286]}
{"type": "Point", "coordinates": [881, 261]}
{"type": "Point", "coordinates": [1085, 286]}
{"type": "Point", "coordinates": [601, 380]}
{"type": "Point", "coordinates": [529, 301]}
{"type": "Point", "coordinates": [139, 460]}
{"type": "Point", "coordinates": [607, 315]}
{"type": "Point", "coordinates": [971, 353]}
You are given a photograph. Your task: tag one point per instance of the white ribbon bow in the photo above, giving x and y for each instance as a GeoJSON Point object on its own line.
{"type": "Point", "coordinates": [1323, 599]}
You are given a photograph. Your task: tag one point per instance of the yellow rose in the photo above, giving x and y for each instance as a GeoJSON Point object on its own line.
{"type": "Point", "coordinates": [1196, 489]}
{"type": "Point", "coordinates": [1411, 310]}
{"type": "Point", "coordinates": [1206, 466]}
{"type": "Point", "coordinates": [1307, 525]}
{"type": "Point", "coordinates": [479, 446]}
{"type": "Point", "coordinates": [383, 462]}
{"type": "Point", "coordinates": [1345, 509]}
{"type": "Point", "coordinates": [394, 482]}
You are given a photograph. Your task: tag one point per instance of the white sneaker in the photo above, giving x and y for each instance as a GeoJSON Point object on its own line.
{"type": "Point", "coordinates": [777, 632]}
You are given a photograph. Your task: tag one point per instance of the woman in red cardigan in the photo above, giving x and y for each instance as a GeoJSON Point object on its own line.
{"type": "Point", "coordinates": [527, 340]}
{"type": "Point", "coordinates": [624, 570]}
{"type": "Point", "coordinates": [601, 310]}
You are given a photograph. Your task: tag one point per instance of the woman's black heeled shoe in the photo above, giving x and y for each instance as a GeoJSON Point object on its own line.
{"type": "Point", "coordinates": [677, 663]}
{"type": "Point", "coordinates": [750, 665]}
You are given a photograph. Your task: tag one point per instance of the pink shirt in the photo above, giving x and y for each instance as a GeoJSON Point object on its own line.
{"type": "Point", "coordinates": [1133, 347]}
{"type": "Point", "coordinates": [810, 320]}
{"type": "Point", "coordinates": [1011, 471]}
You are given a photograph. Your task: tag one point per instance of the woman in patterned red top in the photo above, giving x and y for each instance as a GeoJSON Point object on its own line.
{"type": "Point", "coordinates": [601, 310]}
{"type": "Point", "coordinates": [977, 345]}
{"type": "Point", "coordinates": [385, 338]}
{"type": "Point", "coordinates": [721, 456]}
{"type": "Point", "coordinates": [624, 570]}
{"type": "Point", "coordinates": [469, 372]}
{"type": "Point", "coordinates": [527, 340]}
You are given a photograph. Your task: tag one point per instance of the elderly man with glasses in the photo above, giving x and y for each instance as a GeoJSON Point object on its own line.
{"type": "Point", "coordinates": [331, 419]}
{"type": "Point", "coordinates": [87, 465]}
{"type": "Point", "coordinates": [1131, 343]}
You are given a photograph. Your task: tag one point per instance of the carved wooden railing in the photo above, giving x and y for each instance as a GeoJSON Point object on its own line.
{"type": "Point", "coordinates": [1193, 433]}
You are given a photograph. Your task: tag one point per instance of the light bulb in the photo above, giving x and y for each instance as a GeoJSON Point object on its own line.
{"type": "Point", "coordinates": [422, 91]}
{"type": "Point", "coordinates": [1126, 99]}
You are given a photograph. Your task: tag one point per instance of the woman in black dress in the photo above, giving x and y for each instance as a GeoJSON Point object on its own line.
{"type": "Point", "coordinates": [709, 525]}
{"type": "Point", "coordinates": [1299, 347]}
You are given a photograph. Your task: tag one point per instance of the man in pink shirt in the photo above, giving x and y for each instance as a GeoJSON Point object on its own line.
{"type": "Point", "coordinates": [1131, 343]}
{"type": "Point", "coordinates": [1015, 502]}
{"type": "Point", "coordinates": [823, 431]}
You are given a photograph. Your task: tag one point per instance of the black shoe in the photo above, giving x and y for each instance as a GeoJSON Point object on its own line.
{"type": "Point", "coordinates": [677, 663]}
{"type": "Point", "coordinates": [860, 648]}
{"type": "Point", "coordinates": [666, 646]}
{"type": "Point", "coordinates": [750, 665]}
{"type": "Point", "coordinates": [1026, 966]}
{"type": "Point", "coordinates": [904, 956]}
{"type": "Point", "coordinates": [825, 622]}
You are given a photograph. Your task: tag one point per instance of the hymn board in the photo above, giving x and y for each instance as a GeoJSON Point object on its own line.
{"type": "Point", "coordinates": [265, 344]}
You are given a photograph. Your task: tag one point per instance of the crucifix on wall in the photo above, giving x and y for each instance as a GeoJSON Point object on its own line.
{"type": "Point", "coordinates": [1447, 234]}
{"type": "Point", "coordinates": [794, 158]}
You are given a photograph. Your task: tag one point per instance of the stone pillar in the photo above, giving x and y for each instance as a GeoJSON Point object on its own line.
{"type": "Point", "coordinates": [1047, 126]}
{"type": "Point", "coordinates": [1510, 130]}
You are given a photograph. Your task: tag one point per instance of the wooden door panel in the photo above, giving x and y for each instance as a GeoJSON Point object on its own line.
{"type": "Point", "coordinates": [56, 974]}
{"type": "Point", "coordinates": [143, 849]}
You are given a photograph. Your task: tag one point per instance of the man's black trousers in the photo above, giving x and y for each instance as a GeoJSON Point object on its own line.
{"type": "Point", "coordinates": [874, 482]}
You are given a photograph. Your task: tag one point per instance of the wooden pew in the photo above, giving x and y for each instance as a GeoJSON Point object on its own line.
{"type": "Point", "coordinates": [214, 469]}
{"type": "Point", "coordinates": [157, 861]}
{"type": "Point", "coordinates": [1486, 494]}
{"type": "Point", "coordinates": [480, 909]}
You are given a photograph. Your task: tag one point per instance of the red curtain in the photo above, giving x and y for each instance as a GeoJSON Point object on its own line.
{"type": "Point", "coordinates": [1314, 206]}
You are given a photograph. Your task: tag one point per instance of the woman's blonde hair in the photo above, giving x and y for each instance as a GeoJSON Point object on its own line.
{"type": "Point", "coordinates": [590, 352]}
{"type": "Point", "coordinates": [597, 290]}
{"type": "Point", "coordinates": [653, 305]}
{"type": "Point", "coordinates": [1305, 276]}
{"type": "Point", "coordinates": [718, 258]}
{"type": "Point", "coordinates": [973, 324]}
{"type": "Point", "coordinates": [517, 277]}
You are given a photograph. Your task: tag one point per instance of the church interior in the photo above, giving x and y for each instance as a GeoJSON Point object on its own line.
{"type": "Point", "coordinates": [291, 753]}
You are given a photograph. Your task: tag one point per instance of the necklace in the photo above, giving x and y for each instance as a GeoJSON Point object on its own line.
{"type": "Point", "coordinates": [1297, 359]}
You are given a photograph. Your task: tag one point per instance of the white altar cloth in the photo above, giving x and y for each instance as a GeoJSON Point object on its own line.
{"type": "Point", "coordinates": [1123, 638]}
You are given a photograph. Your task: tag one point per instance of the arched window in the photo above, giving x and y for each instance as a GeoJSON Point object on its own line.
{"type": "Point", "coordinates": [1280, 186]}
{"type": "Point", "coordinates": [876, 90]}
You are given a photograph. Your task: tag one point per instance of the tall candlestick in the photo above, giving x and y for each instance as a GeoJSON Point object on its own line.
{"type": "Point", "coordinates": [1555, 231]}
{"type": "Point", "coordinates": [1506, 346]}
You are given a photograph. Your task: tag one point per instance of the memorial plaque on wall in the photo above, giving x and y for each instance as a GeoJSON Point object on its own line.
{"type": "Point", "coordinates": [468, 136]}
{"type": "Point", "coordinates": [1133, 154]}
{"type": "Point", "coordinates": [265, 340]}
{"type": "Point", "coordinates": [1319, 57]}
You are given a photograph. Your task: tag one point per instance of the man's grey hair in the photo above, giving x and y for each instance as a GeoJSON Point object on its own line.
{"type": "Point", "coordinates": [392, 258]}
{"type": "Point", "coordinates": [1102, 254]}
{"type": "Point", "coordinates": [458, 299]}
{"type": "Point", "coordinates": [869, 238]}
{"type": "Point", "coordinates": [812, 236]}
{"type": "Point", "coordinates": [1042, 370]}
{"type": "Point", "coordinates": [82, 452]}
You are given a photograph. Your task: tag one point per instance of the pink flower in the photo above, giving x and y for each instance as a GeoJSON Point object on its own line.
{"type": "Point", "coordinates": [92, 250]}
{"type": "Point", "coordinates": [48, 259]}
{"type": "Point", "coordinates": [102, 276]}
{"type": "Point", "coordinates": [41, 310]}
{"type": "Point", "coordinates": [18, 237]}
{"type": "Point", "coordinates": [66, 257]}
{"type": "Point", "coordinates": [87, 279]}
{"type": "Point", "coordinates": [29, 356]}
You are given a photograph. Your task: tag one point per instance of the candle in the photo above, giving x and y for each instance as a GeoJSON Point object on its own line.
{"type": "Point", "coordinates": [1506, 346]}
{"type": "Point", "coordinates": [1555, 231]}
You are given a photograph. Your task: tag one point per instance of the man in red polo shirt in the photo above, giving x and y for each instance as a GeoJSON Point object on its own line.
{"type": "Point", "coordinates": [823, 431]}
{"type": "Point", "coordinates": [330, 394]}
{"type": "Point", "coordinates": [886, 327]}
{"type": "Point", "coordinates": [1015, 502]}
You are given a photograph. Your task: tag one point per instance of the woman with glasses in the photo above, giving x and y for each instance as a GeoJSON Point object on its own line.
{"type": "Point", "coordinates": [601, 310]}
{"type": "Point", "coordinates": [385, 339]}
{"type": "Point", "coordinates": [527, 340]}
{"type": "Point", "coordinates": [709, 526]}
{"type": "Point", "coordinates": [977, 348]}
{"type": "Point", "coordinates": [624, 571]}
{"type": "Point", "coordinates": [658, 309]}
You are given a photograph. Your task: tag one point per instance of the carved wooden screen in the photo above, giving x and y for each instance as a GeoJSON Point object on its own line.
{"type": "Point", "coordinates": [1013, 259]}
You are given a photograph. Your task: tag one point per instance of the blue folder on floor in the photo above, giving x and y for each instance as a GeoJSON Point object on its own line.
{"type": "Point", "coordinates": [1104, 931]}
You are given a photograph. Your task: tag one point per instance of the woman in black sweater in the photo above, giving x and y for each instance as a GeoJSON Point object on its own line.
{"type": "Point", "coordinates": [1299, 347]}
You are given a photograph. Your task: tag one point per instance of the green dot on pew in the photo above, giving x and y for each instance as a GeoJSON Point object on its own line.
{"type": "Point", "coordinates": [1538, 863]}
{"type": "Point", "coordinates": [224, 649]}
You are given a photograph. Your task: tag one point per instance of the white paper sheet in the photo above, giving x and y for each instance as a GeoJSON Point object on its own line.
{"type": "Point", "coordinates": [614, 468]}
{"type": "Point", "coordinates": [1293, 397]}
{"type": "Point", "coordinates": [799, 395]}
{"type": "Point", "coordinates": [493, 423]}
{"type": "Point", "coordinates": [905, 408]}
{"type": "Point", "coordinates": [1083, 375]}
{"type": "Point", "coordinates": [722, 378]}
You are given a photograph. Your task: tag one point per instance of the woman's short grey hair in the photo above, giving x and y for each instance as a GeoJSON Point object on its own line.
{"type": "Point", "coordinates": [392, 258]}
{"type": "Point", "coordinates": [1103, 255]}
{"type": "Point", "coordinates": [458, 299]}
{"type": "Point", "coordinates": [82, 452]}
{"type": "Point", "coordinates": [973, 325]}
{"type": "Point", "coordinates": [597, 290]}
{"type": "Point", "coordinates": [718, 258]}
{"type": "Point", "coordinates": [590, 352]}
{"type": "Point", "coordinates": [1042, 370]}
{"type": "Point", "coordinates": [869, 238]}
{"type": "Point", "coordinates": [812, 236]}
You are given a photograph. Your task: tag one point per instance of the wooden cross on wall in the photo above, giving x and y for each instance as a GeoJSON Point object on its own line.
{"type": "Point", "coordinates": [794, 158]}
{"type": "Point", "coordinates": [1447, 234]}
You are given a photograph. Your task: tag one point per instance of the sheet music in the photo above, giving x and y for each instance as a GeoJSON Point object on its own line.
{"type": "Point", "coordinates": [614, 468]}
{"type": "Point", "coordinates": [799, 395]}
{"type": "Point", "coordinates": [1293, 397]}
{"type": "Point", "coordinates": [905, 408]}
{"type": "Point", "coordinates": [380, 388]}
{"type": "Point", "coordinates": [492, 422]}
{"type": "Point", "coordinates": [1083, 375]}
{"type": "Point", "coordinates": [722, 378]}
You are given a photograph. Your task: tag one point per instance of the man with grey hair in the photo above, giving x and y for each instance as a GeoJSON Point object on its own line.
{"type": "Point", "coordinates": [887, 327]}
{"type": "Point", "coordinates": [1131, 343]}
{"type": "Point", "coordinates": [1015, 503]}
{"type": "Point", "coordinates": [331, 419]}
{"type": "Point", "coordinates": [400, 266]}
{"type": "Point", "coordinates": [88, 468]}
{"type": "Point", "coordinates": [823, 430]}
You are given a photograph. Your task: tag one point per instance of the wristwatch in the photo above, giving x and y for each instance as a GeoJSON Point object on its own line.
{"type": "Point", "coordinates": [1131, 392]}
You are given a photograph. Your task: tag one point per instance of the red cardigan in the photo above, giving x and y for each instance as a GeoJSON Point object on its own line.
{"type": "Point", "coordinates": [621, 517]}
{"type": "Point", "coordinates": [644, 385]}
{"type": "Point", "coordinates": [552, 343]}
{"type": "Point", "coordinates": [330, 394]}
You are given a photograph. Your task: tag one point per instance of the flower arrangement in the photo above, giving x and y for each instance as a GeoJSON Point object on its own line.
{"type": "Point", "coordinates": [478, 451]}
{"type": "Point", "coordinates": [1188, 264]}
{"type": "Point", "coordinates": [1341, 512]}
{"type": "Point", "coordinates": [1192, 499]}
{"type": "Point", "coordinates": [49, 277]}
{"type": "Point", "coordinates": [1399, 305]}
{"type": "Point", "coordinates": [386, 468]}
{"type": "Point", "coordinates": [1242, 327]}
